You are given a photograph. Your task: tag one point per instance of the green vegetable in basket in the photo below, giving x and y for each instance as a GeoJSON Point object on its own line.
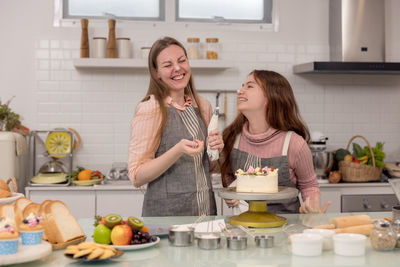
{"type": "Point", "coordinates": [378, 154]}
{"type": "Point", "coordinates": [358, 151]}
{"type": "Point", "coordinates": [341, 153]}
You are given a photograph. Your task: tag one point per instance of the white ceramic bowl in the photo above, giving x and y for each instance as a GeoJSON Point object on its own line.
{"type": "Point", "coordinates": [306, 244]}
{"type": "Point", "coordinates": [327, 241]}
{"type": "Point", "coordinates": [349, 244]}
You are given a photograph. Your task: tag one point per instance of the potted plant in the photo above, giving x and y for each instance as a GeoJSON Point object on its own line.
{"type": "Point", "coordinates": [9, 120]}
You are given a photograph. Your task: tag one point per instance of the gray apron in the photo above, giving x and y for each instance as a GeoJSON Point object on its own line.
{"type": "Point", "coordinates": [185, 188]}
{"type": "Point", "coordinates": [243, 160]}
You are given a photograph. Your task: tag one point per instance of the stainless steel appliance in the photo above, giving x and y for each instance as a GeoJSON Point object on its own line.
{"type": "Point", "coordinates": [118, 174]}
{"type": "Point", "coordinates": [357, 30]}
{"type": "Point", "coordinates": [322, 159]}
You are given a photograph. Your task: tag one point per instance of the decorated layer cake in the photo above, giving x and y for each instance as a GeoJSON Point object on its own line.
{"type": "Point", "coordinates": [257, 180]}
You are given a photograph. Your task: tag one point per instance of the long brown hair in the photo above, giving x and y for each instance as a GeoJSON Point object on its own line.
{"type": "Point", "coordinates": [282, 113]}
{"type": "Point", "coordinates": [158, 88]}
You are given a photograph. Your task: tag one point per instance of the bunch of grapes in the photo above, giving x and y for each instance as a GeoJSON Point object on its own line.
{"type": "Point", "coordinates": [140, 237]}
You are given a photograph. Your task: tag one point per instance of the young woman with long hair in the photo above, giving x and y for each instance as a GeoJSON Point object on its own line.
{"type": "Point", "coordinates": [269, 131]}
{"type": "Point", "coordinates": [168, 134]}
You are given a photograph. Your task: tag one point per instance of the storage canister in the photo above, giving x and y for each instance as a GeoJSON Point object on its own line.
{"type": "Point", "coordinates": [145, 52]}
{"type": "Point", "coordinates": [99, 47]}
{"type": "Point", "coordinates": [396, 230]}
{"type": "Point", "coordinates": [123, 47]}
{"type": "Point", "coordinates": [212, 48]}
{"type": "Point", "coordinates": [382, 236]}
{"type": "Point", "coordinates": [193, 48]}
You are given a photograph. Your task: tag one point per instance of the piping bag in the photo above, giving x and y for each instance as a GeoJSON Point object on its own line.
{"type": "Point", "coordinates": [213, 154]}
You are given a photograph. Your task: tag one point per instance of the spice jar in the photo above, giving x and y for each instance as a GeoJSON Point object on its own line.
{"type": "Point", "coordinates": [193, 48]}
{"type": "Point", "coordinates": [99, 47]}
{"type": "Point", "coordinates": [396, 230]}
{"type": "Point", "coordinates": [123, 47]}
{"type": "Point", "coordinates": [212, 48]}
{"type": "Point", "coordinates": [382, 236]}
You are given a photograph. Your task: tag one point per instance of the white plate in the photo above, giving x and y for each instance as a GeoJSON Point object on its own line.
{"type": "Point", "coordinates": [11, 199]}
{"type": "Point", "coordinates": [27, 253]}
{"type": "Point", "coordinates": [134, 247]}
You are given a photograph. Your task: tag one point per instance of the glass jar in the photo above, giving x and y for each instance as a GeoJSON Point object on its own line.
{"type": "Point", "coordinates": [382, 236]}
{"type": "Point", "coordinates": [396, 230]}
{"type": "Point", "coordinates": [99, 47]}
{"type": "Point", "coordinates": [193, 48]}
{"type": "Point", "coordinates": [212, 48]}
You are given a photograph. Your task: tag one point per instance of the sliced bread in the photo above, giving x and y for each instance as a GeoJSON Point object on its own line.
{"type": "Point", "coordinates": [19, 206]}
{"type": "Point", "coordinates": [61, 223]}
{"type": "Point", "coordinates": [46, 232]}
{"type": "Point", "coordinates": [31, 208]}
{"type": "Point", "coordinates": [7, 211]}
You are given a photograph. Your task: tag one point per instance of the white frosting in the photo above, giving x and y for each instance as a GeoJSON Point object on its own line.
{"type": "Point", "coordinates": [209, 236]}
{"type": "Point", "coordinates": [6, 221]}
{"type": "Point", "coordinates": [181, 228]}
{"type": "Point", "coordinates": [257, 183]}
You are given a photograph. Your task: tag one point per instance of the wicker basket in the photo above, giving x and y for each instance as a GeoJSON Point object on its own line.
{"type": "Point", "coordinates": [358, 173]}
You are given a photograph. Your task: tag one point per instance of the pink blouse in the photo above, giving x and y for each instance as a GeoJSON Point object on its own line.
{"type": "Point", "coordinates": [144, 126]}
{"type": "Point", "coordinates": [267, 145]}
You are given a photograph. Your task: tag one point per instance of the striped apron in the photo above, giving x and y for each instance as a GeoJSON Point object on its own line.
{"type": "Point", "coordinates": [184, 189]}
{"type": "Point", "coordinates": [243, 160]}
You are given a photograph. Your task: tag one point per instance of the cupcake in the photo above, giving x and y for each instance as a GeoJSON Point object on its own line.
{"type": "Point", "coordinates": [31, 230]}
{"type": "Point", "coordinates": [9, 237]}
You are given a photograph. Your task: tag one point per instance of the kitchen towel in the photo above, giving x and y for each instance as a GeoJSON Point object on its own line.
{"type": "Point", "coordinates": [213, 154]}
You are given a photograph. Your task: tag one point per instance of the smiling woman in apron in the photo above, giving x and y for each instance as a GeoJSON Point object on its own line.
{"type": "Point", "coordinates": [268, 131]}
{"type": "Point", "coordinates": [167, 150]}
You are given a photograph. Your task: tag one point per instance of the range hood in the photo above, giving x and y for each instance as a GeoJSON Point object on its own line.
{"type": "Point", "coordinates": [356, 40]}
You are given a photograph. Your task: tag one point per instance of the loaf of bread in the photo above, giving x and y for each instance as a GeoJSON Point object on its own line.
{"type": "Point", "coordinates": [7, 211]}
{"type": "Point", "coordinates": [19, 207]}
{"type": "Point", "coordinates": [30, 208]}
{"type": "Point", "coordinates": [61, 224]}
{"type": "Point", "coordinates": [41, 212]}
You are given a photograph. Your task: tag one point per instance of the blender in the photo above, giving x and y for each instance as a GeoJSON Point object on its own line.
{"type": "Point", "coordinates": [322, 159]}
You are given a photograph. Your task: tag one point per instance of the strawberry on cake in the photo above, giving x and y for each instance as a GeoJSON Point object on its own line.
{"type": "Point", "coordinates": [257, 180]}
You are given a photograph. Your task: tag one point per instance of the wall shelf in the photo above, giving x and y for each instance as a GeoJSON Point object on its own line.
{"type": "Point", "coordinates": [134, 63]}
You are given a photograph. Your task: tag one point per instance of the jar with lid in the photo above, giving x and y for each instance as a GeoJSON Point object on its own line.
{"type": "Point", "coordinates": [124, 47]}
{"type": "Point", "coordinates": [193, 48]}
{"type": "Point", "coordinates": [99, 47]}
{"type": "Point", "coordinates": [212, 48]}
{"type": "Point", "coordinates": [382, 236]}
{"type": "Point", "coordinates": [396, 230]}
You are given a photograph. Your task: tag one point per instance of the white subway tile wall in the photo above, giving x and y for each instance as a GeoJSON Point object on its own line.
{"type": "Point", "coordinates": [100, 103]}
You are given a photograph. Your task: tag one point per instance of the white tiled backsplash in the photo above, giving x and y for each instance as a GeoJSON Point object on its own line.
{"type": "Point", "coordinates": [100, 103]}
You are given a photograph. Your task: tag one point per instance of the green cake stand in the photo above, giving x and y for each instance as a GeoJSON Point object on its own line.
{"type": "Point", "coordinates": [258, 216]}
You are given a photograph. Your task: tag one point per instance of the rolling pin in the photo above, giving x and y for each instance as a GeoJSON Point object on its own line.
{"type": "Point", "coordinates": [347, 221]}
{"type": "Point", "coordinates": [359, 229]}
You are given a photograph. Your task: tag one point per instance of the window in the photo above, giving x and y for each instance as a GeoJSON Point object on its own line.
{"type": "Point", "coordinates": [230, 11]}
{"type": "Point", "coordinates": [121, 9]}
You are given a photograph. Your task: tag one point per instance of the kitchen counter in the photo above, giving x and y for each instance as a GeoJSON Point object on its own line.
{"type": "Point", "coordinates": [165, 255]}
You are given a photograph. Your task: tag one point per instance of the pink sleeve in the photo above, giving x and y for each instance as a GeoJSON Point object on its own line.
{"type": "Point", "coordinates": [303, 168]}
{"type": "Point", "coordinates": [144, 126]}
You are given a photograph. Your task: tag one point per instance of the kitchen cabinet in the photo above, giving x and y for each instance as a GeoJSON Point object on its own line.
{"type": "Point", "coordinates": [79, 202]}
{"type": "Point", "coordinates": [123, 202]}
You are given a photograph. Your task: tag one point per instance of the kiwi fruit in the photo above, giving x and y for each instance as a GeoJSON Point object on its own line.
{"type": "Point", "coordinates": [135, 223]}
{"type": "Point", "coordinates": [113, 220]}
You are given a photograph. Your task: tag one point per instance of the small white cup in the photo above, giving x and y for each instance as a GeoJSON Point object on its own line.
{"type": "Point", "coordinates": [327, 241]}
{"type": "Point", "coordinates": [349, 244]}
{"type": "Point", "coordinates": [306, 244]}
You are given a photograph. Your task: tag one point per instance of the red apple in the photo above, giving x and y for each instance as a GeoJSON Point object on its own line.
{"type": "Point", "coordinates": [121, 235]}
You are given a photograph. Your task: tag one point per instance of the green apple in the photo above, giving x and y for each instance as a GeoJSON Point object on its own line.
{"type": "Point", "coordinates": [102, 234]}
